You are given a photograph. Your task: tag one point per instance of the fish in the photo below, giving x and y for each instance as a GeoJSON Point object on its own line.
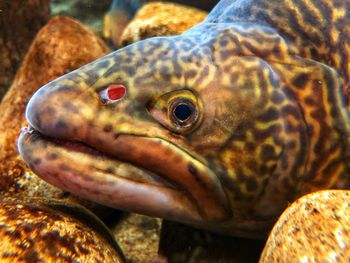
{"type": "Point", "coordinates": [220, 128]}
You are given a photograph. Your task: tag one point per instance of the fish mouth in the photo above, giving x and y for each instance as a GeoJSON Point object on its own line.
{"type": "Point", "coordinates": [144, 175]}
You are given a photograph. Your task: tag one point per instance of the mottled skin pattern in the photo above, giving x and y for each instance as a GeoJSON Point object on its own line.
{"type": "Point", "coordinates": [269, 82]}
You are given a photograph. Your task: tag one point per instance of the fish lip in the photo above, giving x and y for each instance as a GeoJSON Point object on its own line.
{"type": "Point", "coordinates": [196, 181]}
{"type": "Point", "coordinates": [77, 146]}
{"type": "Point", "coordinates": [144, 200]}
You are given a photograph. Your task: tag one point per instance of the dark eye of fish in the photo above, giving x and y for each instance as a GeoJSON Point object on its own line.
{"type": "Point", "coordinates": [183, 113]}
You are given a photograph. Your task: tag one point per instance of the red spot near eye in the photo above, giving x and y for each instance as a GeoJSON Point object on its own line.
{"type": "Point", "coordinates": [116, 91]}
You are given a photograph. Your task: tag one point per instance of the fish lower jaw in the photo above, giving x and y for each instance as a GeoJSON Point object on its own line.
{"type": "Point", "coordinates": [89, 173]}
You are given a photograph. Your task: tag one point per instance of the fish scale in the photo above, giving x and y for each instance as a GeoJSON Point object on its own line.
{"type": "Point", "coordinates": [266, 83]}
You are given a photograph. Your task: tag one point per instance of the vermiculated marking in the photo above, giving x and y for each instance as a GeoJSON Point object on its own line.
{"type": "Point", "coordinates": [61, 125]}
{"type": "Point", "coordinates": [193, 170]}
{"type": "Point", "coordinates": [251, 184]}
{"type": "Point", "coordinates": [64, 194]}
{"type": "Point", "coordinates": [62, 88]}
{"type": "Point", "coordinates": [108, 128]}
{"type": "Point", "coordinates": [252, 165]}
{"type": "Point", "coordinates": [241, 176]}
{"type": "Point", "coordinates": [37, 161]}
{"type": "Point", "coordinates": [50, 111]}
{"type": "Point", "coordinates": [110, 170]}
{"type": "Point", "coordinates": [190, 74]}
{"type": "Point", "coordinates": [269, 115]}
{"type": "Point", "coordinates": [310, 101]}
{"type": "Point", "coordinates": [95, 192]}
{"type": "Point", "coordinates": [52, 156]}
{"type": "Point", "coordinates": [277, 98]}
{"type": "Point", "coordinates": [263, 134]}
{"type": "Point", "coordinates": [290, 110]}
{"type": "Point", "coordinates": [250, 147]}
{"type": "Point", "coordinates": [64, 167]}
{"type": "Point", "coordinates": [286, 183]}
{"type": "Point", "coordinates": [318, 114]}
{"type": "Point", "coordinates": [268, 153]}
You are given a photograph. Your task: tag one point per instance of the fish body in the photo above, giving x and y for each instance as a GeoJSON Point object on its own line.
{"type": "Point", "coordinates": [220, 127]}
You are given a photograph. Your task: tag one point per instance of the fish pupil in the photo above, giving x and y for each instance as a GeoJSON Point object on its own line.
{"type": "Point", "coordinates": [182, 112]}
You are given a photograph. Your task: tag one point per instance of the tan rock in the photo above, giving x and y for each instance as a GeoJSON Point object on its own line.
{"type": "Point", "coordinates": [37, 233]}
{"type": "Point", "coordinates": [161, 19]}
{"type": "Point", "coordinates": [181, 243]}
{"type": "Point", "coordinates": [61, 46]}
{"type": "Point", "coordinates": [138, 236]}
{"type": "Point", "coordinates": [315, 228]}
{"type": "Point", "coordinates": [19, 22]}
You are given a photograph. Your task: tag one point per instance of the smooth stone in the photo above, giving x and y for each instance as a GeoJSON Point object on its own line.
{"type": "Point", "coordinates": [161, 19]}
{"type": "Point", "coordinates": [35, 231]}
{"type": "Point", "coordinates": [315, 228]}
{"type": "Point", "coordinates": [181, 243]}
{"type": "Point", "coordinates": [88, 12]}
{"type": "Point", "coordinates": [138, 236]}
{"type": "Point", "coordinates": [16, 36]}
{"type": "Point", "coordinates": [61, 46]}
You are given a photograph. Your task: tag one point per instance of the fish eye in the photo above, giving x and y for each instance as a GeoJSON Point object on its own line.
{"type": "Point", "coordinates": [183, 112]}
{"type": "Point", "coordinates": [180, 111]}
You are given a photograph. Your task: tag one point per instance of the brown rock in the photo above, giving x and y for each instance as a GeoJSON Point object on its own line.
{"type": "Point", "coordinates": [180, 243]}
{"type": "Point", "coordinates": [61, 46]}
{"type": "Point", "coordinates": [36, 233]}
{"type": "Point", "coordinates": [19, 22]}
{"type": "Point", "coordinates": [138, 236]}
{"type": "Point", "coordinates": [161, 19]}
{"type": "Point", "coordinates": [207, 5]}
{"type": "Point", "coordinates": [315, 228]}
{"type": "Point", "coordinates": [89, 12]}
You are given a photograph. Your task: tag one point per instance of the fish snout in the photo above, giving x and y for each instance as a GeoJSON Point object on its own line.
{"type": "Point", "coordinates": [62, 109]}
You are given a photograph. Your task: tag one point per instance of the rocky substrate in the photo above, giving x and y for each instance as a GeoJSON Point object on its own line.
{"type": "Point", "coordinates": [170, 19]}
{"type": "Point", "coordinates": [313, 229]}
{"type": "Point", "coordinates": [34, 230]}
{"type": "Point", "coordinates": [60, 47]}
{"type": "Point", "coordinates": [19, 22]}
{"type": "Point", "coordinates": [63, 45]}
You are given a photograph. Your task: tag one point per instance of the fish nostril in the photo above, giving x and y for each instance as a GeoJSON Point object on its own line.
{"type": "Point", "coordinates": [113, 93]}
